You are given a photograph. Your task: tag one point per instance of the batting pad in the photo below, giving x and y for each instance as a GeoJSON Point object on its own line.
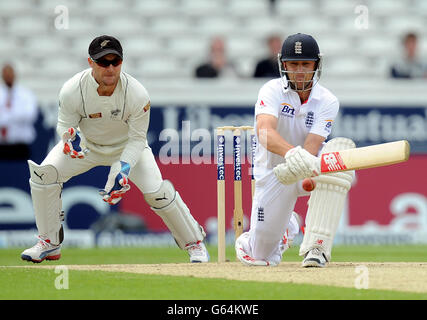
{"type": "Point", "coordinates": [46, 197]}
{"type": "Point", "coordinates": [326, 204]}
{"type": "Point", "coordinates": [167, 203]}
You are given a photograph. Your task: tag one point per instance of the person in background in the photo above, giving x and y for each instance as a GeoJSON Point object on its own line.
{"type": "Point", "coordinates": [218, 64]}
{"type": "Point", "coordinates": [409, 66]}
{"type": "Point", "coordinates": [268, 67]}
{"type": "Point", "coordinates": [18, 114]}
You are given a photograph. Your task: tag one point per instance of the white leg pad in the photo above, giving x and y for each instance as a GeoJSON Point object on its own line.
{"type": "Point", "coordinates": [167, 203]}
{"type": "Point", "coordinates": [326, 204]}
{"type": "Point", "coordinates": [46, 197]}
{"type": "Point", "coordinates": [42, 174]}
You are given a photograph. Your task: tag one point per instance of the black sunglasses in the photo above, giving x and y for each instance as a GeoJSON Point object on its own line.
{"type": "Point", "coordinates": [105, 63]}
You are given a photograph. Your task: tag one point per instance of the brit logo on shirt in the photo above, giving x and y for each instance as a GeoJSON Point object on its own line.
{"type": "Point", "coordinates": [309, 119]}
{"type": "Point", "coordinates": [288, 110]}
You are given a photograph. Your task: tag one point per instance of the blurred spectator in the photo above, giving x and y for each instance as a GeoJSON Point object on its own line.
{"type": "Point", "coordinates": [269, 67]}
{"type": "Point", "coordinates": [18, 113]}
{"type": "Point", "coordinates": [410, 66]}
{"type": "Point", "coordinates": [218, 64]}
{"type": "Point", "coordinates": [273, 6]}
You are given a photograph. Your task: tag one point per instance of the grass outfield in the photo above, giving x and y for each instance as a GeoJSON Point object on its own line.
{"type": "Point", "coordinates": [20, 283]}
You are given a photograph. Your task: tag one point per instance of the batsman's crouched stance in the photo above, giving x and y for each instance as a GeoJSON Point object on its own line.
{"type": "Point", "coordinates": [293, 117]}
{"type": "Point", "coordinates": [103, 121]}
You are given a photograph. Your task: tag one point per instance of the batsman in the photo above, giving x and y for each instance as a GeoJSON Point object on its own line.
{"type": "Point", "coordinates": [293, 117]}
{"type": "Point", "coordinates": [103, 119]}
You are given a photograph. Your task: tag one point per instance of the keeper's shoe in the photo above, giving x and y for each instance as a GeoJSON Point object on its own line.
{"type": "Point", "coordinates": [42, 250]}
{"type": "Point", "coordinates": [315, 258]}
{"type": "Point", "coordinates": [197, 252]}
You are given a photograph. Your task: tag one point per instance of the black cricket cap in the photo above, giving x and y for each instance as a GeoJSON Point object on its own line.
{"type": "Point", "coordinates": [103, 45]}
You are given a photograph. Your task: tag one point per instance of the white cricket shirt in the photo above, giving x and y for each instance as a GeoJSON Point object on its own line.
{"type": "Point", "coordinates": [295, 120]}
{"type": "Point", "coordinates": [109, 125]}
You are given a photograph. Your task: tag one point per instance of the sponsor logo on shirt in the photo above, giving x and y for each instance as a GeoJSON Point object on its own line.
{"type": "Point", "coordinates": [115, 113]}
{"type": "Point", "coordinates": [95, 115]}
{"type": "Point", "coordinates": [262, 104]}
{"type": "Point", "coordinates": [328, 126]}
{"type": "Point", "coordinates": [287, 110]}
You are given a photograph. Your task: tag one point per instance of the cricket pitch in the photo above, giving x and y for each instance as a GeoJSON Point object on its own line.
{"type": "Point", "coordinates": [396, 276]}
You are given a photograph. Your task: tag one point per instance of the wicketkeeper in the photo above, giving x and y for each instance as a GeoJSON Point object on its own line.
{"type": "Point", "coordinates": [103, 120]}
{"type": "Point", "coordinates": [294, 115]}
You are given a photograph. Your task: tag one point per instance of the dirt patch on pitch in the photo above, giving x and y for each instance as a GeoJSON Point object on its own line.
{"type": "Point", "coordinates": [409, 277]}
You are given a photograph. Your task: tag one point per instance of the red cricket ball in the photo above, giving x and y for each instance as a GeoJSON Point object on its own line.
{"type": "Point", "coordinates": [308, 184]}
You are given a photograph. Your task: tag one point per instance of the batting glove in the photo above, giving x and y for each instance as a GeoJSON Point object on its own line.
{"type": "Point", "coordinates": [71, 139]}
{"type": "Point", "coordinates": [117, 183]}
{"type": "Point", "coordinates": [299, 164]}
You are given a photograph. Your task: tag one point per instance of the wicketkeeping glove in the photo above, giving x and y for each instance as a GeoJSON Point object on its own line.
{"type": "Point", "coordinates": [117, 183]}
{"type": "Point", "coordinates": [71, 140]}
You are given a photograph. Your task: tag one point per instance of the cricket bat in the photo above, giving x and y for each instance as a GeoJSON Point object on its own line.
{"type": "Point", "coordinates": [365, 157]}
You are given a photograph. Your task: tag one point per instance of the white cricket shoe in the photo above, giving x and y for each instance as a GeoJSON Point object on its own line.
{"type": "Point", "coordinates": [197, 252]}
{"type": "Point", "coordinates": [246, 259]}
{"type": "Point", "coordinates": [314, 258]}
{"type": "Point", "coordinates": [42, 250]}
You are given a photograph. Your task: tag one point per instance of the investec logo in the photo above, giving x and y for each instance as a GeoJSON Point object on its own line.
{"type": "Point", "coordinates": [237, 161]}
{"type": "Point", "coordinates": [221, 159]}
{"type": "Point", "coordinates": [287, 110]}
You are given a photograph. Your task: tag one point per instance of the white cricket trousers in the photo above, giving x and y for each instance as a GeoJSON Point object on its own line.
{"type": "Point", "coordinates": [272, 208]}
{"type": "Point", "coordinates": [145, 174]}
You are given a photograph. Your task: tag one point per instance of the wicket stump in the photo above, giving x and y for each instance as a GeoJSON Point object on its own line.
{"type": "Point", "coordinates": [238, 207]}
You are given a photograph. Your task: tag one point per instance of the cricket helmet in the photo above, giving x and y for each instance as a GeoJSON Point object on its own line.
{"type": "Point", "coordinates": [300, 47]}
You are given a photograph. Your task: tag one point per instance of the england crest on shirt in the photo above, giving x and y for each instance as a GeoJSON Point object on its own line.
{"type": "Point", "coordinates": [309, 119]}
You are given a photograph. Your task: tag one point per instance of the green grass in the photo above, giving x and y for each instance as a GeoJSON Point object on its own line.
{"type": "Point", "coordinates": [407, 253]}
{"type": "Point", "coordinates": [96, 285]}
{"type": "Point", "coordinates": [35, 283]}
{"type": "Point", "coordinates": [392, 253]}
{"type": "Point", "coordinates": [11, 257]}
